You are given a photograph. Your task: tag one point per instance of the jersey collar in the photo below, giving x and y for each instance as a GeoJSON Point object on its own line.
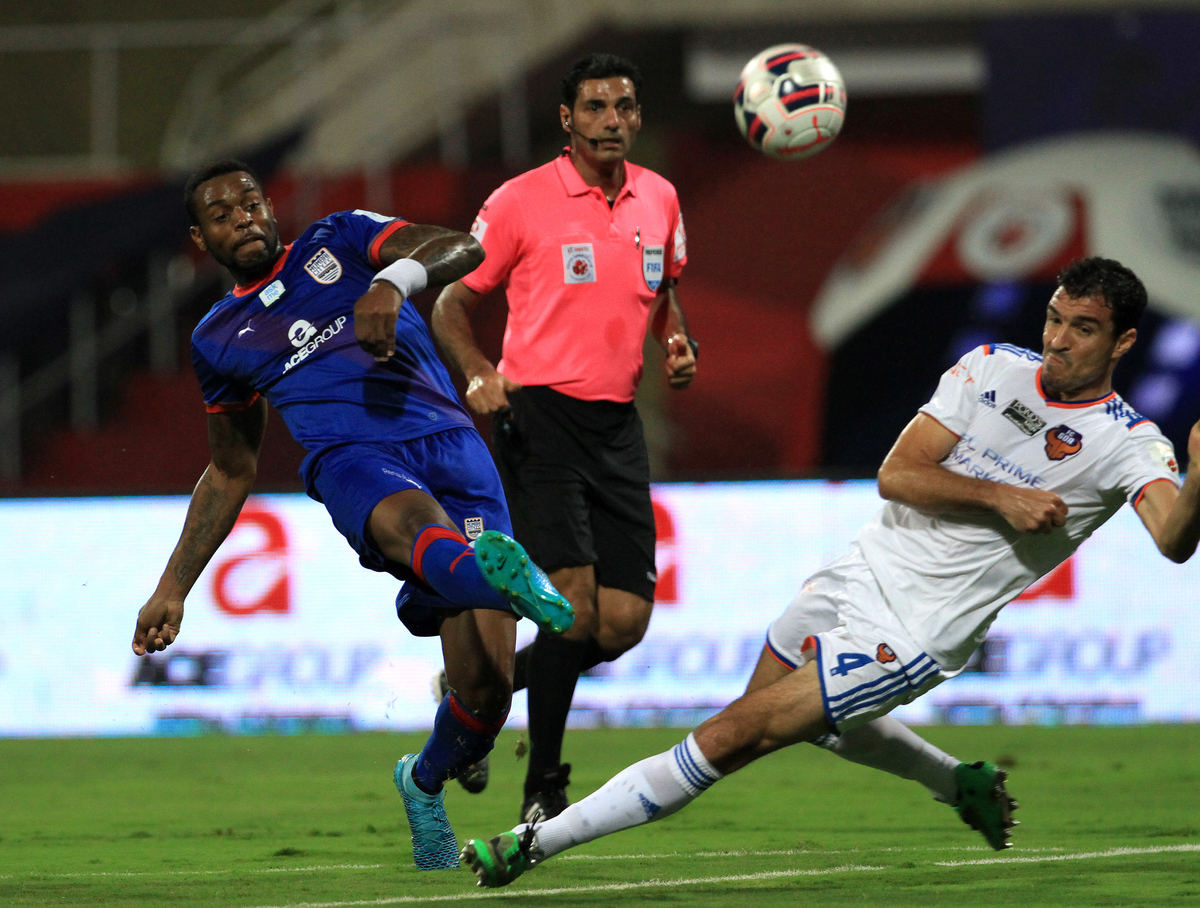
{"type": "Point", "coordinates": [574, 183]}
{"type": "Point", "coordinates": [241, 291]}
{"type": "Point", "coordinates": [1070, 404]}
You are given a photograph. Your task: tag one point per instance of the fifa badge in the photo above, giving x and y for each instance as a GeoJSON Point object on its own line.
{"type": "Point", "coordinates": [652, 265]}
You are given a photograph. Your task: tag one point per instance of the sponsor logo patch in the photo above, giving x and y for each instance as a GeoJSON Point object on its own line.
{"type": "Point", "coordinates": [1062, 442]}
{"type": "Point", "coordinates": [885, 653]}
{"type": "Point", "coordinates": [473, 527]}
{"type": "Point", "coordinates": [680, 241]}
{"type": "Point", "coordinates": [301, 332]}
{"type": "Point", "coordinates": [1023, 418]}
{"type": "Point", "coordinates": [579, 263]}
{"type": "Point", "coordinates": [271, 292]}
{"type": "Point", "coordinates": [324, 268]}
{"type": "Point", "coordinates": [479, 228]}
{"type": "Point", "coordinates": [305, 339]}
{"type": "Point", "coordinates": [988, 399]}
{"type": "Point", "coordinates": [1163, 455]}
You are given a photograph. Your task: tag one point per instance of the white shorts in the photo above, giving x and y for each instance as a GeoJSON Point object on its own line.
{"type": "Point", "coordinates": [867, 662]}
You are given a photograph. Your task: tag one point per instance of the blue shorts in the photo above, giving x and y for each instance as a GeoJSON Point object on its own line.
{"type": "Point", "coordinates": [454, 467]}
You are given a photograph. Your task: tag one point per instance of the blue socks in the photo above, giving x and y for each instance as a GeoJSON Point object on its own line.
{"type": "Point", "coordinates": [459, 739]}
{"type": "Point", "coordinates": [442, 558]}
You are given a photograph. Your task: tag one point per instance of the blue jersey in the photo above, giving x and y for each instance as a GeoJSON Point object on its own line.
{"type": "Point", "coordinates": [290, 338]}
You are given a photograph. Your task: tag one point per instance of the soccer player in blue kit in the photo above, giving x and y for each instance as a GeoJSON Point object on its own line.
{"type": "Point", "coordinates": [319, 328]}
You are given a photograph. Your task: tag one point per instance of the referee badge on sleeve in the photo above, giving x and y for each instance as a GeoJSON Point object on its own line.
{"type": "Point", "coordinates": [579, 263]}
{"type": "Point", "coordinates": [652, 265]}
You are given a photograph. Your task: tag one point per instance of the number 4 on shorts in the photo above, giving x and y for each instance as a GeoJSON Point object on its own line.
{"type": "Point", "coordinates": [848, 662]}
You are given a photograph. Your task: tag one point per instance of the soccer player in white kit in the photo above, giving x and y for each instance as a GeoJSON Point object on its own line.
{"type": "Point", "coordinates": [997, 480]}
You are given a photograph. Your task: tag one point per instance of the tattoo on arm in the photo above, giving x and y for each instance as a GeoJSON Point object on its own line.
{"type": "Point", "coordinates": [235, 439]}
{"type": "Point", "coordinates": [446, 254]}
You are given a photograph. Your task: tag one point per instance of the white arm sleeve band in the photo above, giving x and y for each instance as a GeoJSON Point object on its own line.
{"type": "Point", "coordinates": [406, 275]}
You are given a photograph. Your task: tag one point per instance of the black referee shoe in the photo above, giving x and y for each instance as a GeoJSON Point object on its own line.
{"type": "Point", "coordinates": [548, 797]}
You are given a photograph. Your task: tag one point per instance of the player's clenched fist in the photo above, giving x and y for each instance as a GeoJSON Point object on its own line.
{"type": "Point", "coordinates": [375, 314]}
{"type": "Point", "coordinates": [157, 625]}
{"type": "Point", "coordinates": [1032, 510]}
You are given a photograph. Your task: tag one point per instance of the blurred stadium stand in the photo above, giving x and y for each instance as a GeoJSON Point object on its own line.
{"type": "Point", "coordinates": [421, 108]}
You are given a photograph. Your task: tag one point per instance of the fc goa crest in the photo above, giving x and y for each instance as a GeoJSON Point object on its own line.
{"type": "Point", "coordinates": [1062, 442]}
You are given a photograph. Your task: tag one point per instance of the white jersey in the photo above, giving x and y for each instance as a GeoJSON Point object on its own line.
{"type": "Point", "coordinates": [946, 576]}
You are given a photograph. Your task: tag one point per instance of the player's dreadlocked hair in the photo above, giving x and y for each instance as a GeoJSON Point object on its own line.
{"type": "Point", "coordinates": [1119, 286]}
{"type": "Point", "coordinates": [208, 172]}
{"type": "Point", "coordinates": [599, 66]}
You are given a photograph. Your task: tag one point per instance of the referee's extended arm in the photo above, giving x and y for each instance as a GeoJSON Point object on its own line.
{"type": "Point", "coordinates": [487, 389]}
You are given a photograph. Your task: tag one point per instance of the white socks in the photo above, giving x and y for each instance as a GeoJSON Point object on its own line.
{"type": "Point", "coordinates": [650, 790]}
{"type": "Point", "coordinates": [665, 783]}
{"type": "Point", "coordinates": [885, 743]}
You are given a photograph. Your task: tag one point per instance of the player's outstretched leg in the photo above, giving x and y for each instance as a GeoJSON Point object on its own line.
{"type": "Point", "coordinates": [433, 842]}
{"type": "Point", "coordinates": [474, 777]}
{"type": "Point", "coordinates": [984, 804]}
{"type": "Point", "coordinates": [642, 793]}
{"type": "Point", "coordinates": [510, 572]}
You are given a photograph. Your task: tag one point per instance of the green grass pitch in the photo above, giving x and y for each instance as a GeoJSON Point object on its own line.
{"type": "Point", "coordinates": [1110, 816]}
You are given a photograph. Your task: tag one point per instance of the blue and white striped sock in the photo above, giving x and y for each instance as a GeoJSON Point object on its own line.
{"type": "Point", "coordinates": [650, 790]}
{"type": "Point", "coordinates": [690, 767]}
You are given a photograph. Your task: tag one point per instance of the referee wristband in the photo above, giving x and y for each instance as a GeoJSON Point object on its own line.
{"type": "Point", "coordinates": [406, 275]}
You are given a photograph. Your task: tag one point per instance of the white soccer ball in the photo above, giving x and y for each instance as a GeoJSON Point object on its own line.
{"type": "Point", "coordinates": [790, 101]}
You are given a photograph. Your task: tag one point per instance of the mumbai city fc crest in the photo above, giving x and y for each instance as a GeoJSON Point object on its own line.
{"type": "Point", "coordinates": [1023, 418]}
{"type": "Point", "coordinates": [1062, 442]}
{"type": "Point", "coordinates": [473, 526]}
{"type": "Point", "coordinates": [579, 263]}
{"type": "Point", "coordinates": [324, 268]}
{"type": "Point", "coordinates": [652, 265]}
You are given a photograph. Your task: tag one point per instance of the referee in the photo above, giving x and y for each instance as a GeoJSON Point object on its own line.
{"type": "Point", "coordinates": [588, 248]}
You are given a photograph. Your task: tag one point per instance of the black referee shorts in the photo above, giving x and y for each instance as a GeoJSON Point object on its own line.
{"type": "Point", "coordinates": [577, 479]}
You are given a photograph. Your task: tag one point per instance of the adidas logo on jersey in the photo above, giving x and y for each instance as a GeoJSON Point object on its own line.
{"type": "Point", "coordinates": [988, 399]}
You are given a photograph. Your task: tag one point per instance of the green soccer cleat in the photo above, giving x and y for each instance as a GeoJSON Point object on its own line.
{"type": "Point", "coordinates": [500, 861]}
{"type": "Point", "coordinates": [983, 802]}
{"type": "Point", "coordinates": [509, 571]}
{"type": "Point", "coordinates": [433, 842]}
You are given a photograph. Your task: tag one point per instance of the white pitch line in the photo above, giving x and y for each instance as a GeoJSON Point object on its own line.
{"type": "Point", "coordinates": [732, 853]}
{"type": "Point", "coordinates": [768, 875]}
{"type": "Point", "coordinates": [573, 890]}
{"type": "Point", "coordinates": [1110, 853]}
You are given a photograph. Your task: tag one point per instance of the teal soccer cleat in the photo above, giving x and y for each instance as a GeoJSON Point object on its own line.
{"type": "Point", "coordinates": [433, 842]}
{"type": "Point", "coordinates": [983, 802]}
{"type": "Point", "coordinates": [501, 860]}
{"type": "Point", "coordinates": [509, 571]}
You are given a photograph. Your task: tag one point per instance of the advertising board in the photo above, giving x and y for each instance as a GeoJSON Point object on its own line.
{"type": "Point", "coordinates": [285, 632]}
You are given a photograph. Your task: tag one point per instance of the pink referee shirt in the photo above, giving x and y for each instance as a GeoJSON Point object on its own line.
{"type": "Point", "coordinates": [580, 277]}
